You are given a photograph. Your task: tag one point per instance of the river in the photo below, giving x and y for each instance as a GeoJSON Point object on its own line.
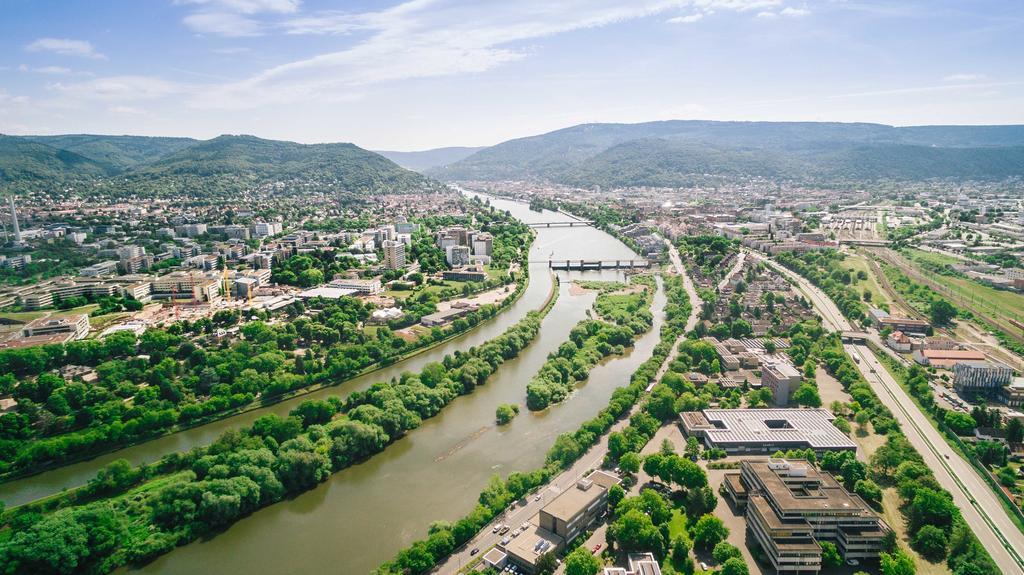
{"type": "Point", "coordinates": [363, 515]}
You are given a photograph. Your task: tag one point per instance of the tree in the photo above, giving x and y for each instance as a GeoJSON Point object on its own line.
{"type": "Point", "coordinates": [709, 531]}
{"type": "Point", "coordinates": [630, 462]}
{"type": "Point", "coordinates": [505, 412]}
{"type": "Point", "coordinates": [897, 563]}
{"type": "Point", "coordinates": [960, 423]}
{"type": "Point", "coordinates": [724, 551]}
{"type": "Point", "coordinates": [931, 542]}
{"type": "Point", "coordinates": [807, 395]}
{"type": "Point", "coordinates": [615, 494]}
{"type": "Point", "coordinates": [582, 562]}
{"type": "Point", "coordinates": [547, 563]}
{"type": "Point", "coordinates": [830, 554]}
{"type": "Point", "coordinates": [735, 566]}
{"type": "Point", "coordinates": [1015, 431]}
{"type": "Point", "coordinates": [634, 531]}
{"type": "Point", "coordinates": [869, 490]}
{"type": "Point", "coordinates": [700, 501]}
{"type": "Point", "coordinates": [941, 312]}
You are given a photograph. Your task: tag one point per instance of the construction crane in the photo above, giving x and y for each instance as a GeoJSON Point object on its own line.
{"type": "Point", "coordinates": [225, 284]}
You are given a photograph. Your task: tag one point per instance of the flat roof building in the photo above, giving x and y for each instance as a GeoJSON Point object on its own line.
{"type": "Point", "coordinates": [946, 358]}
{"type": "Point", "coordinates": [77, 325]}
{"type": "Point", "coordinates": [765, 431]}
{"type": "Point", "coordinates": [791, 506]}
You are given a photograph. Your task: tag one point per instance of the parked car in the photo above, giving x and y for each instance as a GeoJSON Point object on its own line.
{"type": "Point", "coordinates": [525, 525]}
{"type": "Point", "coordinates": [853, 562]}
{"type": "Point", "coordinates": [505, 540]}
{"type": "Point", "coordinates": [505, 529]}
{"type": "Point", "coordinates": [597, 548]}
{"type": "Point", "coordinates": [496, 528]}
{"type": "Point", "coordinates": [515, 533]}
{"type": "Point", "coordinates": [703, 566]}
{"type": "Point", "coordinates": [474, 551]}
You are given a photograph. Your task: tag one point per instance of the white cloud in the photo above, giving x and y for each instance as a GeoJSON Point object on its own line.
{"type": "Point", "coordinates": [223, 24]}
{"type": "Point", "coordinates": [249, 6]}
{"type": "Point", "coordinates": [432, 38]}
{"type": "Point", "coordinates": [55, 70]}
{"type": "Point", "coordinates": [121, 89]}
{"type": "Point", "coordinates": [65, 47]}
{"type": "Point", "coordinates": [690, 19]}
{"type": "Point", "coordinates": [794, 12]}
{"type": "Point", "coordinates": [767, 15]}
{"type": "Point", "coordinates": [964, 77]}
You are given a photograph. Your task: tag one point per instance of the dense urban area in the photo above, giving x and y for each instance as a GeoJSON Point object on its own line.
{"type": "Point", "coordinates": [215, 353]}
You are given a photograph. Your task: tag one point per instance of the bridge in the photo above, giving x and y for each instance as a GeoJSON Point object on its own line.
{"type": "Point", "coordinates": [565, 224]}
{"type": "Point", "coordinates": [581, 265]}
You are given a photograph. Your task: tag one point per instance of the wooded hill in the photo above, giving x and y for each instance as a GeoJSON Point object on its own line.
{"type": "Point", "coordinates": [678, 153]}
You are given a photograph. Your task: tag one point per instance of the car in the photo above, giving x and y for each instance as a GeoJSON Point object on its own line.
{"type": "Point", "coordinates": [537, 498]}
{"type": "Point", "coordinates": [474, 551]}
{"type": "Point", "coordinates": [853, 562]}
{"type": "Point", "coordinates": [505, 540]}
{"type": "Point", "coordinates": [596, 548]}
{"type": "Point", "coordinates": [703, 566]}
{"type": "Point", "coordinates": [505, 529]}
{"type": "Point", "coordinates": [524, 526]}
{"type": "Point", "coordinates": [515, 533]}
{"type": "Point", "coordinates": [496, 528]}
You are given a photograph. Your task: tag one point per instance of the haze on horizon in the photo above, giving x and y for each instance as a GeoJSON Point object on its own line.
{"type": "Point", "coordinates": [421, 74]}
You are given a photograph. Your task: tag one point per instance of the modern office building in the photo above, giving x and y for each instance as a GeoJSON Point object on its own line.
{"type": "Point", "coordinates": [264, 229]}
{"type": "Point", "coordinates": [457, 256]}
{"type": "Point", "coordinates": [765, 431]}
{"type": "Point", "coordinates": [791, 506]}
{"type": "Point", "coordinates": [568, 515]}
{"type": "Point", "coordinates": [781, 377]}
{"type": "Point", "coordinates": [360, 286]}
{"type": "Point", "coordinates": [980, 377]}
{"type": "Point", "coordinates": [77, 325]}
{"type": "Point", "coordinates": [465, 274]}
{"type": "Point", "coordinates": [483, 244]}
{"type": "Point", "coordinates": [394, 254]}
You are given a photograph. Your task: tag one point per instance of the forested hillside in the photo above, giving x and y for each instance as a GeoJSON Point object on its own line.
{"type": "Point", "coordinates": [677, 153]}
{"type": "Point", "coordinates": [147, 166]}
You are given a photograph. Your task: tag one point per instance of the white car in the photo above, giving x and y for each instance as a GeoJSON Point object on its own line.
{"type": "Point", "coordinates": [505, 540]}
{"type": "Point", "coordinates": [496, 528]}
{"type": "Point", "coordinates": [515, 533]}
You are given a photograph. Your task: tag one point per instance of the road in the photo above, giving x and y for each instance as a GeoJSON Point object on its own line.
{"type": "Point", "coordinates": [980, 506]}
{"type": "Point", "coordinates": [592, 459]}
{"type": "Point", "coordinates": [733, 270]}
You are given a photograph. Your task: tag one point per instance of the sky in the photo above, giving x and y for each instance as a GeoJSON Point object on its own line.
{"type": "Point", "coordinates": [420, 74]}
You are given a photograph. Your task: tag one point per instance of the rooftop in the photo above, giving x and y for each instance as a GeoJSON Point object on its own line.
{"type": "Point", "coordinates": [811, 426]}
{"type": "Point", "coordinates": [572, 501]}
{"type": "Point", "coordinates": [532, 543]}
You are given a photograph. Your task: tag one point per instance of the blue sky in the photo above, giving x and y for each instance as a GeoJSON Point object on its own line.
{"type": "Point", "coordinates": [428, 73]}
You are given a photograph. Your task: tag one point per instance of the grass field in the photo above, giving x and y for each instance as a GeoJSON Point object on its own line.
{"type": "Point", "coordinates": [932, 257]}
{"type": "Point", "coordinates": [999, 302]}
{"type": "Point", "coordinates": [858, 264]}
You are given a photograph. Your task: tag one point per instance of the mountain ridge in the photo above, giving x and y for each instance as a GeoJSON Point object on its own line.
{"type": "Point", "coordinates": [675, 151]}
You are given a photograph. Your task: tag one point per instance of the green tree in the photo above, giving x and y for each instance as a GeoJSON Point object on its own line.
{"type": "Point", "coordinates": [807, 394]}
{"type": "Point", "coordinates": [830, 554]}
{"type": "Point", "coordinates": [634, 531]}
{"type": "Point", "coordinates": [582, 562]}
{"type": "Point", "coordinates": [960, 423]}
{"type": "Point", "coordinates": [630, 462]}
{"type": "Point", "coordinates": [735, 566]}
{"type": "Point", "coordinates": [941, 312]}
{"type": "Point", "coordinates": [931, 541]}
{"type": "Point", "coordinates": [897, 563]}
{"type": "Point", "coordinates": [724, 551]}
{"type": "Point", "coordinates": [709, 531]}
{"type": "Point", "coordinates": [505, 413]}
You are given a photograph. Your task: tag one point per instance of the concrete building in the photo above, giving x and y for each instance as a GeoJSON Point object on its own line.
{"type": "Point", "coordinates": [457, 256]}
{"type": "Point", "coordinates": [465, 274]}
{"type": "Point", "coordinates": [639, 564]}
{"type": "Point", "coordinates": [781, 377]}
{"type": "Point", "coordinates": [107, 268]}
{"type": "Point", "coordinates": [394, 254]}
{"type": "Point", "coordinates": [946, 358]}
{"type": "Point", "coordinates": [483, 244]}
{"type": "Point", "coordinates": [264, 229]}
{"type": "Point", "coordinates": [360, 286]}
{"type": "Point", "coordinates": [567, 516]}
{"type": "Point", "coordinates": [791, 506]}
{"type": "Point", "coordinates": [77, 325]}
{"type": "Point", "coordinates": [765, 431]}
{"type": "Point", "coordinates": [980, 377]}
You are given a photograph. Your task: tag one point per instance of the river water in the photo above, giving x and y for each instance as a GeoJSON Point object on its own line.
{"type": "Point", "coordinates": [363, 515]}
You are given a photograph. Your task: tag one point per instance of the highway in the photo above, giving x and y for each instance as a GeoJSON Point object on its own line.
{"type": "Point", "coordinates": [980, 506]}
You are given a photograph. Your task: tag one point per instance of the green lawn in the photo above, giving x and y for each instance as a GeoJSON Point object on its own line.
{"type": "Point", "coordinates": [932, 257]}
{"type": "Point", "coordinates": [857, 263]}
{"type": "Point", "coordinates": [998, 302]}
{"type": "Point", "coordinates": [677, 525]}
